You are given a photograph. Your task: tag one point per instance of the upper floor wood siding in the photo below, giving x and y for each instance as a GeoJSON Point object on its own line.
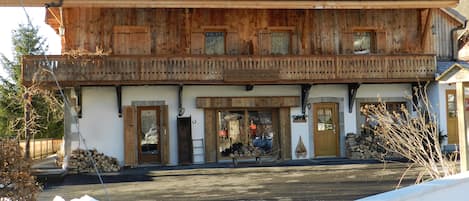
{"type": "Point", "coordinates": [181, 31]}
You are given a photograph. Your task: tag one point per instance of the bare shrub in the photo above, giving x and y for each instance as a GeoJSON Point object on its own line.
{"type": "Point", "coordinates": [414, 135]}
{"type": "Point", "coordinates": [16, 182]}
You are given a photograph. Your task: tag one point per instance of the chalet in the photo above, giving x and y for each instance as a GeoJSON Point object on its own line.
{"type": "Point", "coordinates": [200, 81]}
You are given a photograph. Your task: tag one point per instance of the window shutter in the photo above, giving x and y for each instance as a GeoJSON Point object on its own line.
{"type": "Point", "coordinates": [232, 43]}
{"type": "Point", "coordinates": [347, 43]}
{"type": "Point", "coordinates": [165, 135]}
{"type": "Point", "coordinates": [131, 40]}
{"type": "Point", "coordinates": [294, 44]}
{"type": "Point", "coordinates": [210, 136]}
{"type": "Point", "coordinates": [264, 42]}
{"type": "Point", "coordinates": [130, 136]}
{"type": "Point", "coordinates": [197, 43]}
{"type": "Point", "coordinates": [380, 42]}
{"type": "Point", "coordinates": [285, 133]}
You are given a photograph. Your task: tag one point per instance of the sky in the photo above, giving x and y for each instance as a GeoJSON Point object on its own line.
{"type": "Point", "coordinates": [12, 17]}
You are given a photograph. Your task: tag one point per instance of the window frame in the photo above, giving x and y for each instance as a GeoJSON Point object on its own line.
{"type": "Point", "coordinates": [224, 31]}
{"type": "Point", "coordinates": [289, 42]}
{"type": "Point", "coordinates": [373, 49]}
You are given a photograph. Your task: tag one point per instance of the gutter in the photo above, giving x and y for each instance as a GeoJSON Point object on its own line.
{"type": "Point", "coordinates": [453, 57]}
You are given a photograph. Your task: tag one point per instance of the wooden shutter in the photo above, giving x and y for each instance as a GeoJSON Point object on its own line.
{"type": "Point", "coordinates": [264, 42]}
{"type": "Point", "coordinates": [210, 136]}
{"type": "Point", "coordinates": [165, 135]}
{"type": "Point", "coordinates": [294, 44]}
{"type": "Point", "coordinates": [131, 40]}
{"type": "Point", "coordinates": [347, 43]}
{"type": "Point", "coordinates": [197, 43]}
{"type": "Point", "coordinates": [285, 133]}
{"type": "Point", "coordinates": [130, 136]}
{"type": "Point", "coordinates": [232, 43]}
{"type": "Point", "coordinates": [185, 147]}
{"type": "Point", "coordinates": [380, 42]}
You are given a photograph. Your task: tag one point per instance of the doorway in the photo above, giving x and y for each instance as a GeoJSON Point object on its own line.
{"type": "Point", "coordinates": [149, 134]}
{"type": "Point", "coordinates": [326, 129]}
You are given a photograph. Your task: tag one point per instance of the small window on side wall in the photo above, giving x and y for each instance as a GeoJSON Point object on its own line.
{"type": "Point", "coordinates": [364, 42]}
{"type": "Point", "coordinates": [215, 43]}
{"type": "Point", "coordinates": [280, 43]}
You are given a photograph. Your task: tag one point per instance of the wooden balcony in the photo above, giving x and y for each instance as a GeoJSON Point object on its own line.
{"type": "Point", "coordinates": [138, 70]}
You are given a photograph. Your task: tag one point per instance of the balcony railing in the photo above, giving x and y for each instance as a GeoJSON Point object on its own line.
{"type": "Point", "coordinates": [116, 70]}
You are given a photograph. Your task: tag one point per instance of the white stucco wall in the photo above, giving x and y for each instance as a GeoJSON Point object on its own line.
{"type": "Point", "coordinates": [340, 91]}
{"type": "Point", "coordinates": [197, 114]}
{"type": "Point", "coordinates": [103, 129]}
{"type": "Point", "coordinates": [100, 125]}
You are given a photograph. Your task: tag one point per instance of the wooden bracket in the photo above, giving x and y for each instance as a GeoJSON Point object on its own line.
{"type": "Point", "coordinates": [181, 110]}
{"type": "Point", "coordinates": [119, 100]}
{"type": "Point", "coordinates": [79, 102]}
{"type": "Point", "coordinates": [352, 94]}
{"type": "Point", "coordinates": [304, 96]}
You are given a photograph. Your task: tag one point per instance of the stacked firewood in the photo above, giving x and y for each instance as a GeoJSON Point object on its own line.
{"type": "Point", "coordinates": [244, 151]}
{"type": "Point", "coordinates": [365, 146]}
{"type": "Point", "coordinates": [80, 161]}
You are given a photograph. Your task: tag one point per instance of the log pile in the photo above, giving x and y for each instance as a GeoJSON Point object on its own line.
{"type": "Point", "coordinates": [81, 162]}
{"type": "Point", "coordinates": [247, 152]}
{"type": "Point", "coordinates": [365, 146]}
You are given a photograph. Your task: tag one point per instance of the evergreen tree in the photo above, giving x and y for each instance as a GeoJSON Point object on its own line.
{"type": "Point", "coordinates": [26, 41]}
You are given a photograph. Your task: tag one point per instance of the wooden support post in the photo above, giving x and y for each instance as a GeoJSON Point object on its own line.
{"type": "Point", "coordinates": [462, 131]}
{"type": "Point", "coordinates": [68, 119]}
{"type": "Point", "coordinates": [352, 93]}
{"type": "Point", "coordinates": [27, 119]}
{"type": "Point", "coordinates": [119, 100]}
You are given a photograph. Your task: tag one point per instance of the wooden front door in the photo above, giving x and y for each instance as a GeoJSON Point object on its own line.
{"type": "Point", "coordinates": [451, 117]}
{"type": "Point", "coordinates": [149, 130]}
{"type": "Point", "coordinates": [326, 129]}
{"type": "Point", "coordinates": [185, 148]}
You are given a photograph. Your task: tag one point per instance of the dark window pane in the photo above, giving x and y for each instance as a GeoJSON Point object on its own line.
{"type": "Point", "coordinates": [215, 43]}
{"type": "Point", "coordinates": [280, 43]}
{"type": "Point", "coordinates": [362, 42]}
{"type": "Point", "coordinates": [149, 129]}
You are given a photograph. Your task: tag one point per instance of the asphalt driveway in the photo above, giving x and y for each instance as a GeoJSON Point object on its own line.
{"type": "Point", "coordinates": [308, 181]}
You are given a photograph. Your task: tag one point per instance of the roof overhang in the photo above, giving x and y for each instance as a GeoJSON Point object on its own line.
{"type": "Point", "coordinates": [456, 73]}
{"type": "Point", "coordinates": [458, 17]}
{"type": "Point", "coordinates": [245, 4]}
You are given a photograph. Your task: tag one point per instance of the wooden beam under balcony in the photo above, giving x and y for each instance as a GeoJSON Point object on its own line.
{"type": "Point", "coordinates": [229, 70]}
{"type": "Point", "coordinates": [243, 4]}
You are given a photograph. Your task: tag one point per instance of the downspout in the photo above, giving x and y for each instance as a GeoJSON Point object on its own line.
{"type": "Point", "coordinates": [452, 39]}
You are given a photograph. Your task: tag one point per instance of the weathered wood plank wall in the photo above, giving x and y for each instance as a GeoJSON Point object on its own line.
{"type": "Point", "coordinates": [317, 32]}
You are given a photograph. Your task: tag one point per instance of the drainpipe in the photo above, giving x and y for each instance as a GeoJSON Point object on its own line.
{"type": "Point", "coordinates": [453, 57]}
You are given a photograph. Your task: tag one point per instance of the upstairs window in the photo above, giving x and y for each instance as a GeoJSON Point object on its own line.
{"type": "Point", "coordinates": [214, 43]}
{"type": "Point", "coordinates": [364, 42]}
{"type": "Point", "coordinates": [280, 43]}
